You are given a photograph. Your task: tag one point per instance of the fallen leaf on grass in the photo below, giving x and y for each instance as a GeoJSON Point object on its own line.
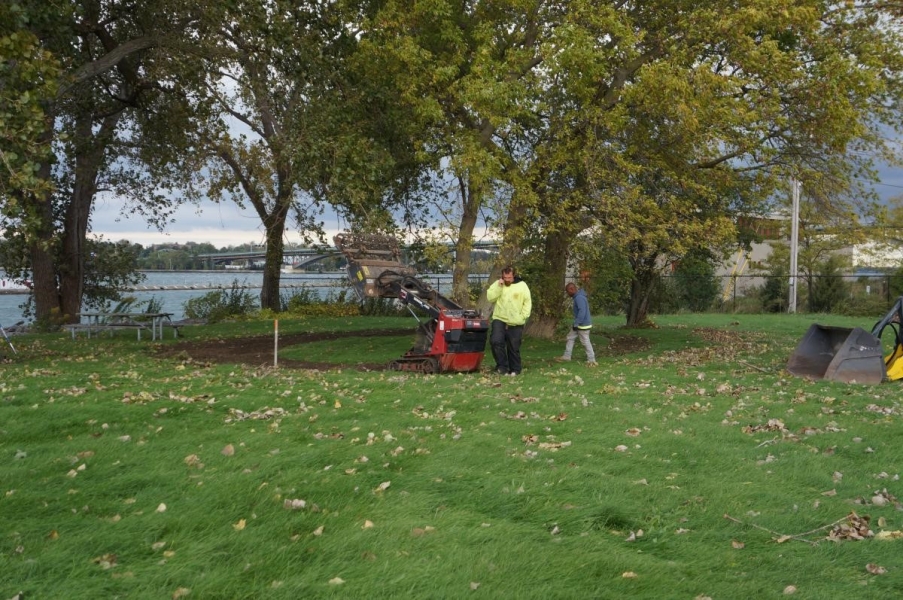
{"type": "Point", "coordinates": [318, 531]}
{"type": "Point", "coordinates": [180, 593]}
{"type": "Point", "coordinates": [875, 569]}
{"type": "Point", "coordinates": [855, 528]}
{"type": "Point", "coordinates": [161, 508]}
{"type": "Point", "coordinates": [629, 575]}
{"type": "Point", "coordinates": [889, 535]}
{"type": "Point", "coordinates": [634, 431]}
{"type": "Point", "coordinates": [240, 525]}
{"type": "Point", "coordinates": [474, 585]}
{"type": "Point", "coordinates": [228, 450]}
{"type": "Point", "coordinates": [107, 561]}
{"type": "Point", "coordinates": [553, 446]}
{"type": "Point", "coordinates": [382, 487]}
{"type": "Point", "coordinates": [336, 581]}
{"type": "Point", "coordinates": [193, 460]}
{"type": "Point", "coordinates": [368, 524]}
{"type": "Point", "coordinates": [737, 545]}
{"type": "Point", "coordinates": [790, 589]}
{"type": "Point", "coordinates": [294, 504]}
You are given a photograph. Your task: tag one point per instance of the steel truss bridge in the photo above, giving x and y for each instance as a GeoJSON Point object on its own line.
{"type": "Point", "coordinates": [302, 257]}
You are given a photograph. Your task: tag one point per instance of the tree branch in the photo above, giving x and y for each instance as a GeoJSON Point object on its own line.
{"type": "Point", "coordinates": [106, 62]}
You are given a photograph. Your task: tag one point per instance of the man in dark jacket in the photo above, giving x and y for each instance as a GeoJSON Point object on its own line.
{"type": "Point", "coordinates": [580, 329]}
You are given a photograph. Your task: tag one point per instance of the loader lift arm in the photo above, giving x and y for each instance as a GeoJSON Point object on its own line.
{"type": "Point", "coordinates": [894, 320]}
{"type": "Point", "coordinates": [452, 339]}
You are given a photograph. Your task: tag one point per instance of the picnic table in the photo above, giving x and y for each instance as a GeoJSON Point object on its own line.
{"type": "Point", "coordinates": [111, 321]}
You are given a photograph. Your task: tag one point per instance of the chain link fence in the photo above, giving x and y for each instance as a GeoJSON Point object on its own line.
{"type": "Point", "coordinates": [851, 294]}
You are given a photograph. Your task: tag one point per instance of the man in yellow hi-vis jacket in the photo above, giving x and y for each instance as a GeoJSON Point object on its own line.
{"type": "Point", "coordinates": [512, 304]}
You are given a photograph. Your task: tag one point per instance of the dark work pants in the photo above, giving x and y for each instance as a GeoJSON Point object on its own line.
{"type": "Point", "coordinates": [505, 341]}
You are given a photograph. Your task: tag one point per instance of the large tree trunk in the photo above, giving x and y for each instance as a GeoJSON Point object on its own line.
{"type": "Point", "coordinates": [471, 199]}
{"type": "Point", "coordinates": [644, 280]}
{"type": "Point", "coordinates": [42, 246]}
{"type": "Point", "coordinates": [548, 291]}
{"type": "Point", "coordinates": [272, 268]}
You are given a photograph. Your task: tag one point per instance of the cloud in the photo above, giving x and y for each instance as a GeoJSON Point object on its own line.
{"type": "Point", "coordinates": [220, 224]}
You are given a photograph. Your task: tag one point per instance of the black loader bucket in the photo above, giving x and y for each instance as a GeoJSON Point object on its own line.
{"type": "Point", "coordinates": [838, 354]}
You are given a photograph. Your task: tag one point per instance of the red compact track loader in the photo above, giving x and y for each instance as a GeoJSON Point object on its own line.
{"type": "Point", "coordinates": [452, 338]}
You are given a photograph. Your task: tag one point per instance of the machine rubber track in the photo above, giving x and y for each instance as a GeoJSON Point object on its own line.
{"type": "Point", "coordinates": [415, 365]}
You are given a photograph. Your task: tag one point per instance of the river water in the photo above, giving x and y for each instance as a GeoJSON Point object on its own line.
{"type": "Point", "coordinates": [174, 288]}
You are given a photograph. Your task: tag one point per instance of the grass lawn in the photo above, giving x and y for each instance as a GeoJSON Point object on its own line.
{"type": "Point", "coordinates": [688, 464]}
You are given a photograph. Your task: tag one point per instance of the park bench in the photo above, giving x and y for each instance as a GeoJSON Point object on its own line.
{"type": "Point", "coordinates": [97, 322]}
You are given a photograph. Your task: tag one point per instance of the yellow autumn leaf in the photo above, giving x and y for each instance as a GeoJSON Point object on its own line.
{"type": "Point", "coordinates": [240, 525]}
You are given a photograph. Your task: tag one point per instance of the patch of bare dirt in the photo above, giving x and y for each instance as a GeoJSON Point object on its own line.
{"type": "Point", "coordinates": [258, 350]}
{"type": "Point", "coordinates": [625, 344]}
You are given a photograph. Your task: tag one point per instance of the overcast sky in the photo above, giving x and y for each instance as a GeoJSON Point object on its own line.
{"type": "Point", "coordinates": [223, 224]}
{"type": "Point", "coordinates": [226, 225]}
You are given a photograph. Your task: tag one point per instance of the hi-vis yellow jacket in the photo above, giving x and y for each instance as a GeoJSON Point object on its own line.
{"type": "Point", "coordinates": [512, 303]}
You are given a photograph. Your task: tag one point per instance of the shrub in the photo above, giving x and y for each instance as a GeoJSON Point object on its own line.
{"type": "Point", "coordinates": [303, 296]}
{"type": "Point", "coordinates": [664, 298]}
{"type": "Point", "coordinates": [221, 304]}
{"type": "Point", "coordinates": [382, 307]}
{"type": "Point", "coordinates": [695, 281]}
{"type": "Point", "coordinates": [829, 290]}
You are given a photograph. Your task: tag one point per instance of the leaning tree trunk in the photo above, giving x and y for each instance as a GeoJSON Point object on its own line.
{"type": "Point", "coordinates": [548, 290]}
{"type": "Point", "coordinates": [471, 199]}
{"type": "Point", "coordinates": [272, 268]}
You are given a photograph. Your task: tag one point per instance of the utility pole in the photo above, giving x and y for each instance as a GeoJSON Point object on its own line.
{"type": "Point", "coordinates": [794, 243]}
